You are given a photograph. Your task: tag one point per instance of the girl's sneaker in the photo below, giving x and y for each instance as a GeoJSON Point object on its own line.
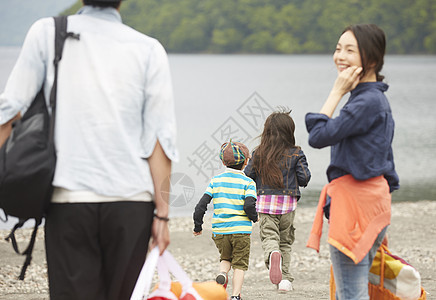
{"type": "Point", "coordinates": [285, 286]}
{"type": "Point", "coordinates": [222, 279]}
{"type": "Point", "coordinates": [275, 267]}
{"type": "Point", "coordinates": [236, 297]}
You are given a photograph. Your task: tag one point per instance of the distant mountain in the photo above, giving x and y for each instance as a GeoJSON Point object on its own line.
{"type": "Point", "coordinates": [278, 26]}
{"type": "Point", "coordinates": [249, 26]}
{"type": "Point", "coordinates": [16, 17]}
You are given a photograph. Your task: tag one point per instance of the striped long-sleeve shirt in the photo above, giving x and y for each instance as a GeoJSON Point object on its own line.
{"type": "Point", "coordinates": [234, 203]}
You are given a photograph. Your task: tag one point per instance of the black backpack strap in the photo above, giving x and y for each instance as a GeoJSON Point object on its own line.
{"type": "Point", "coordinates": [61, 35]}
{"type": "Point", "coordinates": [29, 249]}
{"type": "Point", "coordinates": [11, 235]}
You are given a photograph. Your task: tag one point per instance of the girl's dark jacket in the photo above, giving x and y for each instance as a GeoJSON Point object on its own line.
{"type": "Point", "coordinates": [295, 172]}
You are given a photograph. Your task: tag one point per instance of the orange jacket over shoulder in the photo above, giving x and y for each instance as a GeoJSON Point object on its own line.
{"type": "Point", "coordinates": [359, 210]}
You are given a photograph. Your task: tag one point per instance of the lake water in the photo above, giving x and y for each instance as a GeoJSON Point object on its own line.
{"type": "Point", "coordinates": [223, 96]}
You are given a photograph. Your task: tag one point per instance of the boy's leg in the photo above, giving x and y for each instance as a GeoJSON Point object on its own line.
{"type": "Point", "coordinates": [269, 234]}
{"type": "Point", "coordinates": [225, 266]}
{"type": "Point", "coordinates": [287, 238]}
{"type": "Point", "coordinates": [238, 280]}
{"type": "Point", "coordinates": [223, 244]}
{"type": "Point", "coordinates": [241, 256]}
{"type": "Point", "coordinates": [222, 278]}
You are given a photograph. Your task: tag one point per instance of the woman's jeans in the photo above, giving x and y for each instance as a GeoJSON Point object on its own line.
{"type": "Point", "coordinates": [352, 279]}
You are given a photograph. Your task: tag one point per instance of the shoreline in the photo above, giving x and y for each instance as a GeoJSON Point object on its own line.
{"type": "Point", "coordinates": [412, 236]}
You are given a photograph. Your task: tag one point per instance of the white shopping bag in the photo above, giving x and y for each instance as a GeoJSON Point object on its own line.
{"type": "Point", "coordinates": [165, 265]}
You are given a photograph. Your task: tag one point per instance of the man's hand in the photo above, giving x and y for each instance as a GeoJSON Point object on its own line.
{"type": "Point", "coordinates": [160, 234]}
{"type": "Point", "coordinates": [197, 233]}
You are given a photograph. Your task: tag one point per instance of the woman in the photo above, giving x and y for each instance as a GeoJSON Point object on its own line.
{"type": "Point", "coordinates": [361, 173]}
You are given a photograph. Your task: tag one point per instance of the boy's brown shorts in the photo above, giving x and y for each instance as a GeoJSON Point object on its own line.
{"type": "Point", "coordinates": [234, 248]}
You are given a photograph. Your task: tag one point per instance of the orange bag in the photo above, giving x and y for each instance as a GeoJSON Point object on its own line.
{"type": "Point", "coordinates": [377, 291]}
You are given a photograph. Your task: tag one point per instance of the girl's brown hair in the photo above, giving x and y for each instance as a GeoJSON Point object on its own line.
{"type": "Point", "coordinates": [275, 141]}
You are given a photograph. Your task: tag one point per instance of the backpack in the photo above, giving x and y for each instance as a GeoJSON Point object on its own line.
{"type": "Point", "coordinates": [28, 158]}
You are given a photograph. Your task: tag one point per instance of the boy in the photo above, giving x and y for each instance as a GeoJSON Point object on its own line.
{"type": "Point", "coordinates": [234, 201]}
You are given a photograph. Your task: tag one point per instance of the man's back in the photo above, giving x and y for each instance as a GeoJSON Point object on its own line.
{"type": "Point", "coordinates": [114, 102]}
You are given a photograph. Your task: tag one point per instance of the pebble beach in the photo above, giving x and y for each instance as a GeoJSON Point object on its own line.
{"type": "Point", "coordinates": [412, 236]}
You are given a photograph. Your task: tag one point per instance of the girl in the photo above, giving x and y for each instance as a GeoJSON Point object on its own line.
{"type": "Point", "coordinates": [278, 167]}
{"type": "Point", "coordinates": [361, 173]}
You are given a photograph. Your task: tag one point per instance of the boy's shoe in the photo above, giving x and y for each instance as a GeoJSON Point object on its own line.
{"type": "Point", "coordinates": [222, 279]}
{"type": "Point", "coordinates": [285, 286]}
{"type": "Point", "coordinates": [236, 297]}
{"type": "Point", "coordinates": [275, 267]}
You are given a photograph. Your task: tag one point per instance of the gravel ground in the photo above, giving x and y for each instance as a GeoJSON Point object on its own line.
{"type": "Point", "coordinates": [412, 236]}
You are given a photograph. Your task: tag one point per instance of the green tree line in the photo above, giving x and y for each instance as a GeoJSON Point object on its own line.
{"type": "Point", "coordinates": [279, 26]}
